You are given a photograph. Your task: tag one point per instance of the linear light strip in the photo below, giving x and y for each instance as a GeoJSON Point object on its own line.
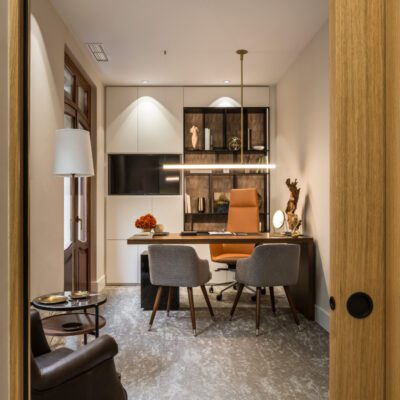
{"type": "Point", "coordinates": [217, 166]}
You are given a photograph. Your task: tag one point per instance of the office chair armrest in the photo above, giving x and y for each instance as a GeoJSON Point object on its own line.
{"type": "Point", "coordinates": [78, 362]}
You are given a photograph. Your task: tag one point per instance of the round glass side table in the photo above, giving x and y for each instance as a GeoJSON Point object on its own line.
{"type": "Point", "coordinates": [59, 324]}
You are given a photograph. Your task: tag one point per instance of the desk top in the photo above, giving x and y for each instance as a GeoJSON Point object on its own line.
{"type": "Point", "coordinates": [176, 238]}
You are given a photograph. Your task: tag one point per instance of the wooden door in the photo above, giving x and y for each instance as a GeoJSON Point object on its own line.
{"type": "Point", "coordinates": [392, 199]}
{"type": "Point", "coordinates": [365, 194]}
{"type": "Point", "coordinates": [77, 96]}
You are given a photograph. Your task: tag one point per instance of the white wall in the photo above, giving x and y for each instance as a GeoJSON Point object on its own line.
{"type": "Point", "coordinates": [301, 150]}
{"type": "Point", "coordinates": [4, 241]}
{"type": "Point", "coordinates": [49, 36]}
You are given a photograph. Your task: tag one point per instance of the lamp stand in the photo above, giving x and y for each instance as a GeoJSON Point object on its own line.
{"type": "Point", "coordinates": [74, 223]}
{"type": "Point", "coordinates": [73, 232]}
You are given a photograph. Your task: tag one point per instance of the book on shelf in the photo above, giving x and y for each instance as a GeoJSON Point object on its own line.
{"type": "Point", "coordinates": [201, 171]}
{"type": "Point", "coordinates": [188, 206]}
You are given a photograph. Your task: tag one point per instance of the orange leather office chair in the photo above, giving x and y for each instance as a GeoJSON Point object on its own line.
{"type": "Point", "coordinates": [243, 216]}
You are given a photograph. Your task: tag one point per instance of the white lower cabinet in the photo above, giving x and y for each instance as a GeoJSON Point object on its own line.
{"type": "Point", "coordinates": [123, 260]}
{"type": "Point", "coordinates": [169, 211]}
{"type": "Point", "coordinates": [203, 251]}
{"type": "Point", "coordinates": [122, 265]}
{"type": "Point", "coordinates": [122, 212]}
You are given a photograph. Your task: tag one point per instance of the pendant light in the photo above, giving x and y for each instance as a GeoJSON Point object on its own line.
{"type": "Point", "coordinates": [239, 166]}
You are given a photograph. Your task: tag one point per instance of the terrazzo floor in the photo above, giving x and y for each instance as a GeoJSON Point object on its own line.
{"type": "Point", "coordinates": [225, 361]}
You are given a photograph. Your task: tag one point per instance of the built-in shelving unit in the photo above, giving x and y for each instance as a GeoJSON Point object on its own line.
{"type": "Point", "coordinates": [224, 124]}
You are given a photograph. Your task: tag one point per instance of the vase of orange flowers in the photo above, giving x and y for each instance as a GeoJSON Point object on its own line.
{"type": "Point", "coordinates": [146, 223]}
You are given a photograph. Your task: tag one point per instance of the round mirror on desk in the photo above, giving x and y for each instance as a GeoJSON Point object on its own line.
{"type": "Point", "coordinates": [278, 219]}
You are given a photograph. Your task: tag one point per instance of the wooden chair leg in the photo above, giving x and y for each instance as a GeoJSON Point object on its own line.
{"type": "Point", "coordinates": [155, 306]}
{"type": "Point", "coordinates": [272, 295]}
{"type": "Point", "coordinates": [291, 304]}
{"type": "Point", "coordinates": [203, 289]}
{"type": "Point", "coordinates": [192, 313]}
{"type": "Point", "coordinates": [169, 300]}
{"type": "Point", "coordinates": [238, 294]}
{"type": "Point", "coordinates": [258, 310]}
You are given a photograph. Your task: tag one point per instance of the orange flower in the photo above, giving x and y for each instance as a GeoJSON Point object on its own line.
{"type": "Point", "coordinates": [146, 222]}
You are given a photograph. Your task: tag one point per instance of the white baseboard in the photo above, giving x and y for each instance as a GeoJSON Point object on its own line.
{"type": "Point", "coordinates": [99, 285]}
{"type": "Point", "coordinates": [322, 317]}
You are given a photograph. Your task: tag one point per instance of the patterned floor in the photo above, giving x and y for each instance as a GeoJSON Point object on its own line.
{"type": "Point", "coordinates": [225, 361]}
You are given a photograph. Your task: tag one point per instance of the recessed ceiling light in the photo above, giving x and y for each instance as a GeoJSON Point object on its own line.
{"type": "Point", "coordinates": [145, 82]}
{"type": "Point", "coordinates": [226, 81]}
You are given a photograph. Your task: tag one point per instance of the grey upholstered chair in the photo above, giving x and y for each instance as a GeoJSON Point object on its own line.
{"type": "Point", "coordinates": [177, 266]}
{"type": "Point", "coordinates": [269, 265]}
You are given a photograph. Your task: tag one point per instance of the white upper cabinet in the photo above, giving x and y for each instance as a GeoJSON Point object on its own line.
{"type": "Point", "coordinates": [122, 119]}
{"type": "Point", "coordinates": [226, 96]}
{"type": "Point", "coordinates": [160, 120]}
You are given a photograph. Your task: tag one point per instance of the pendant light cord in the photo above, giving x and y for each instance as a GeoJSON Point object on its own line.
{"type": "Point", "coordinates": [241, 53]}
{"type": "Point", "coordinates": [241, 109]}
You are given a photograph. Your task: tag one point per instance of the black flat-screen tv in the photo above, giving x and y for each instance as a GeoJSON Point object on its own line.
{"type": "Point", "coordinates": [142, 174]}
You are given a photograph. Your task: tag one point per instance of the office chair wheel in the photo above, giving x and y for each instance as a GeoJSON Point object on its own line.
{"type": "Point", "coordinates": [211, 289]}
{"type": "Point", "coordinates": [263, 291]}
{"type": "Point", "coordinates": [253, 298]}
{"type": "Point", "coordinates": [219, 297]}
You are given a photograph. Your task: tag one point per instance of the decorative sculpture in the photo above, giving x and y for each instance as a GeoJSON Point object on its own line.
{"type": "Point", "coordinates": [234, 144]}
{"type": "Point", "coordinates": [194, 130]}
{"type": "Point", "coordinates": [292, 218]}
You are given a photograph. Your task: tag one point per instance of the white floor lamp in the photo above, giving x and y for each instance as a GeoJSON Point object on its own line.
{"type": "Point", "coordinates": [73, 159]}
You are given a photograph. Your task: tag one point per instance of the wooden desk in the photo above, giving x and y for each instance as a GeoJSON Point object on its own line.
{"type": "Point", "coordinates": [303, 292]}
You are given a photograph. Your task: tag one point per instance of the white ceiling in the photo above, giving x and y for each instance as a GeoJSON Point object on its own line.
{"type": "Point", "coordinates": [200, 36]}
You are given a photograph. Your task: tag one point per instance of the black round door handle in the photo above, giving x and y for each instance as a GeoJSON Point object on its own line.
{"type": "Point", "coordinates": [332, 303]}
{"type": "Point", "coordinates": [360, 305]}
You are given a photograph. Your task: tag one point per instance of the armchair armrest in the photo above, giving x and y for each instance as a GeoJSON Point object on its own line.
{"type": "Point", "coordinates": [242, 269]}
{"type": "Point", "coordinates": [78, 362]}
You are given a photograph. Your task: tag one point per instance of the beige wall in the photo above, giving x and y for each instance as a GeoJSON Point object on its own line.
{"type": "Point", "coordinates": [300, 149]}
{"type": "Point", "coordinates": [49, 36]}
{"type": "Point", "coordinates": [4, 256]}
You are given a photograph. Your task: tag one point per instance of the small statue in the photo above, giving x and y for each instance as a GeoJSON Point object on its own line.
{"type": "Point", "coordinates": [234, 144]}
{"type": "Point", "coordinates": [194, 130]}
{"type": "Point", "coordinates": [292, 218]}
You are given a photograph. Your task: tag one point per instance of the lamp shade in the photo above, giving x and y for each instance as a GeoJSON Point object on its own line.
{"type": "Point", "coordinates": [73, 153]}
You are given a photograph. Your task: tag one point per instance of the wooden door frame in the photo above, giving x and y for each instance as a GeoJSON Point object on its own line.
{"type": "Point", "coordinates": [18, 248]}
{"type": "Point", "coordinates": [81, 77]}
{"type": "Point", "coordinates": [358, 244]}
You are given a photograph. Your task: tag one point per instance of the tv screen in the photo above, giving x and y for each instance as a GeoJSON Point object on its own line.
{"type": "Point", "coordinates": [142, 174]}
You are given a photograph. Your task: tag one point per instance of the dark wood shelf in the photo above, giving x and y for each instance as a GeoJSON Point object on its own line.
{"type": "Point", "coordinates": [209, 214]}
{"type": "Point", "coordinates": [230, 174]}
{"type": "Point", "coordinates": [224, 151]}
{"type": "Point", "coordinates": [224, 124]}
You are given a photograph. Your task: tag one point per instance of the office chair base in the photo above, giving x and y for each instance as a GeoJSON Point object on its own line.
{"type": "Point", "coordinates": [219, 295]}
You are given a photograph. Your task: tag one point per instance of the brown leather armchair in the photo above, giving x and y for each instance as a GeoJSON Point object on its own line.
{"type": "Point", "coordinates": [243, 216]}
{"type": "Point", "coordinates": [85, 374]}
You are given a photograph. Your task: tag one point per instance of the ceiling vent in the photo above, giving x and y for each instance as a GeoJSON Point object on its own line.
{"type": "Point", "coordinates": [98, 52]}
